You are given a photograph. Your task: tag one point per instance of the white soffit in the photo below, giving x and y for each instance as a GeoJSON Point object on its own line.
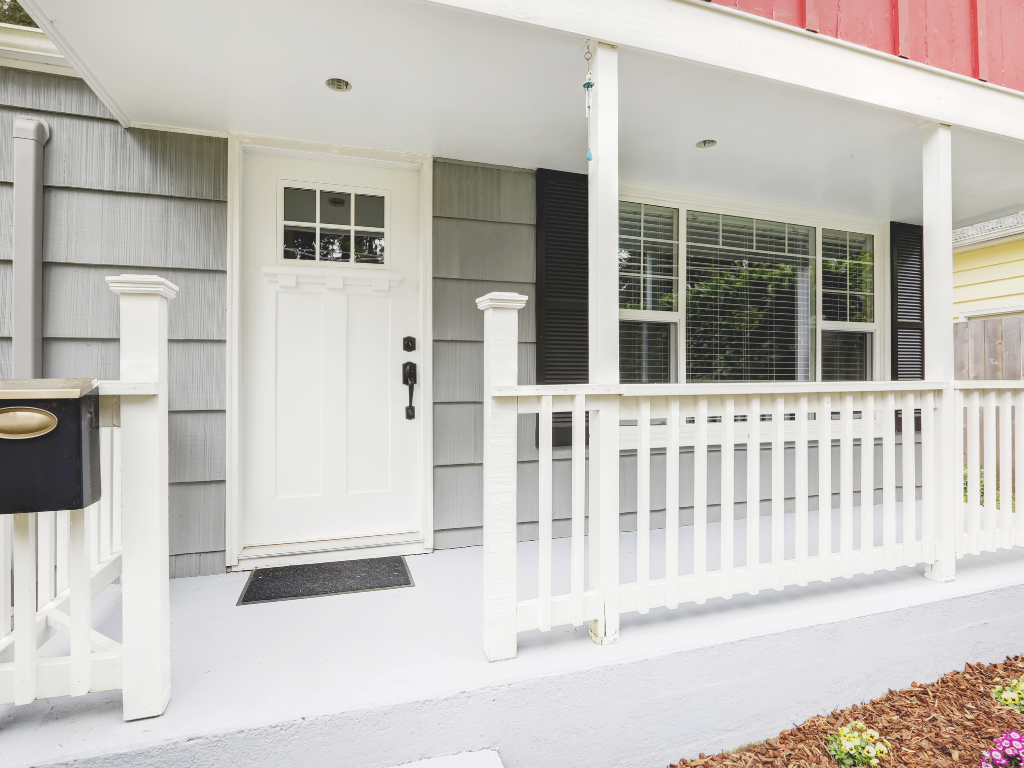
{"type": "Point", "coordinates": [437, 80]}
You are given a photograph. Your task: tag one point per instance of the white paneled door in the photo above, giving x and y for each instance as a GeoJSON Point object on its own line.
{"type": "Point", "coordinates": [332, 263]}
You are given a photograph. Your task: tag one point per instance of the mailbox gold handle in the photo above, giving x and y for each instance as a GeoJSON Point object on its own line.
{"type": "Point", "coordinates": [21, 423]}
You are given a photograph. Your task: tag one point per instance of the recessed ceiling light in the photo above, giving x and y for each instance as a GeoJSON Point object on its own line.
{"type": "Point", "coordinates": [706, 143]}
{"type": "Point", "coordinates": [337, 84]}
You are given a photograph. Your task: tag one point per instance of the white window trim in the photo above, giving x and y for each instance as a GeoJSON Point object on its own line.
{"type": "Point", "coordinates": [319, 187]}
{"type": "Point", "coordinates": [686, 200]}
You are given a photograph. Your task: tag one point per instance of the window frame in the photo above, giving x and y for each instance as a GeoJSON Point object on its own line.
{"type": "Point", "coordinates": [682, 200]}
{"type": "Point", "coordinates": [319, 187]}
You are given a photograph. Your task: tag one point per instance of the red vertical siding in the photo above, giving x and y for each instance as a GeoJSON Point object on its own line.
{"type": "Point", "coordinates": [940, 33]}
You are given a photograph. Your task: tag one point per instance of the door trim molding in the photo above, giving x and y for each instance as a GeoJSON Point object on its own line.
{"type": "Point", "coordinates": [238, 146]}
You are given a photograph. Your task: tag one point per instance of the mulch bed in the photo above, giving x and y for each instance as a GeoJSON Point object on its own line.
{"type": "Point", "coordinates": [943, 724]}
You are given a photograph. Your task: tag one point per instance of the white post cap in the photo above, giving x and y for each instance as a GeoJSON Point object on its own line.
{"type": "Point", "coordinates": [145, 284]}
{"type": "Point", "coordinates": [501, 300]}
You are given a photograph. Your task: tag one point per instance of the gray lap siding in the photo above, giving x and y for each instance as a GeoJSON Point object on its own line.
{"type": "Point", "coordinates": [134, 201]}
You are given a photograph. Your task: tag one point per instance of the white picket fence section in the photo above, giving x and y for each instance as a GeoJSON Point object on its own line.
{"type": "Point", "coordinates": [780, 423]}
{"type": "Point", "coordinates": [990, 438]}
{"type": "Point", "coordinates": [53, 564]}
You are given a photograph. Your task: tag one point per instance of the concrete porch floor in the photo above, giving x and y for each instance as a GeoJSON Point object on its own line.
{"type": "Point", "coordinates": [376, 679]}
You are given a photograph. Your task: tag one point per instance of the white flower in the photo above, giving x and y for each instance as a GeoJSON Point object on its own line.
{"type": "Point", "coordinates": [869, 751]}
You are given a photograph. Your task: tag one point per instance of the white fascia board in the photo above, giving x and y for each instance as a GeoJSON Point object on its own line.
{"type": "Point", "coordinates": [733, 40]}
{"type": "Point", "coordinates": [55, 36]}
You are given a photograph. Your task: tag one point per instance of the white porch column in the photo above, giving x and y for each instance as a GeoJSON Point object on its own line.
{"type": "Point", "coordinates": [937, 177]}
{"type": "Point", "coordinates": [604, 217]}
{"type": "Point", "coordinates": [604, 338]}
{"type": "Point", "coordinates": [146, 665]}
{"type": "Point", "coordinates": [501, 362]}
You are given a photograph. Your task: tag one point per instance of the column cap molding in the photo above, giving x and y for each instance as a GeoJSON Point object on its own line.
{"type": "Point", "coordinates": [502, 300]}
{"type": "Point", "coordinates": [142, 284]}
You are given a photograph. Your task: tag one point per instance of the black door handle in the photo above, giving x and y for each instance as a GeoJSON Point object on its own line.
{"type": "Point", "coordinates": [409, 380]}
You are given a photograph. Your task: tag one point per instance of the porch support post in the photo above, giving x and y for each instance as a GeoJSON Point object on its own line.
{"type": "Point", "coordinates": [937, 177]}
{"type": "Point", "coordinates": [145, 564]}
{"type": "Point", "coordinates": [604, 338]}
{"type": "Point", "coordinates": [501, 339]}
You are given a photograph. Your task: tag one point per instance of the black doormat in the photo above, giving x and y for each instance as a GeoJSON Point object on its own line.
{"type": "Point", "coordinates": [292, 582]}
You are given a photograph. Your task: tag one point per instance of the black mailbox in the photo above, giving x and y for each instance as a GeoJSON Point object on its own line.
{"type": "Point", "coordinates": [49, 444]}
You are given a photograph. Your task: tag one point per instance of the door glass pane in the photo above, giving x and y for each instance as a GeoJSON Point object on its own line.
{"type": "Point", "coordinates": [645, 352]}
{"type": "Point", "coordinates": [300, 243]}
{"type": "Point", "coordinates": [335, 208]}
{"type": "Point", "coordinates": [335, 246]}
{"type": "Point", "coordinates": [369, 247]}
{"type": "Point", "coordinates": [845, 356]}
{"type": "Point", "coordinates": [299, 205]}
{"type": "Point", "coordinates": [369, 211]}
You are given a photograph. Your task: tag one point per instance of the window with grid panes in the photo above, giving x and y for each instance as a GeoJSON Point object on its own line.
{"type": "Point", "coordinates": [329, 226]}
{"type": "Point", "coordinates": [648, 291]}
{"type": "Point", "coordinates": [749, 299]}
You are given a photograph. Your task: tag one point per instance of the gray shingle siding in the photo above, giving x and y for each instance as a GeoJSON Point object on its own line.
{"type": "Point", "coordinates": [116, 201]}
{"type": "Point", "coordinates": [484, 240]}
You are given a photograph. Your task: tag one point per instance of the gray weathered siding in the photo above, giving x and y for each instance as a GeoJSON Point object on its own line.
{"type": "Point", "coordinates": [484, 241]}
{"type": "Point", "coordinates": [118, 201]}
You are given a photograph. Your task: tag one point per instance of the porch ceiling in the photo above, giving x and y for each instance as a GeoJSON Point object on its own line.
{"type": "Point", "coordinates": [435, 80]}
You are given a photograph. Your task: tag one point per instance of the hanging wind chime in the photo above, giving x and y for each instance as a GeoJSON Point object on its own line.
{"type": "Point", "coordinates": [588, 90]}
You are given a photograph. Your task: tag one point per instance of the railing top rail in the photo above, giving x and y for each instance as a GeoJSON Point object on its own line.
{"type": "Point", "coordinates": [730, 388]}
{"type": "Point", "coordinates": [987, 384]}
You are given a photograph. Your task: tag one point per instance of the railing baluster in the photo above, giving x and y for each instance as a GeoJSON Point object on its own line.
{"type": "Point", "coordinates": [973, 473]}
{"type": "Point", "coordinates": [988, 506]}
{"type": "Point", "coordinates": [753, 520]}
{"type": "Point", "coordinates": [672, 506]}
{"type": "Point", "coordinates": [1005, 471]}
{"type": "Point", "coordinates": [958, 449]}
{"type": "Point", "coordinates": [579, 500]}
{"type": "Point", "coordinates": [62, 537]}
{"type": "Point", "coordinates": [800, 478]}
{"type": "Point", "coordinates": [889, 481]}
{"type": "Point", "coordinates": [928, 527]}
{"type": "Point", "coordinates": [728, 492]}
{"type": "Point", "coordinates": [81, 601]}
{"type": "Point", "coordinates": [1018, 464]}
{"type": "Point", "coordinates": [846, 484]}
{"type": "Point", "coordinates": [6, 583]}
{"type": "Point", "coordinates": [45, 572]}
{"type": "Point", "coordinates": [643, 508]}
{"type": "Point", "coordinates": [544, 507]}
{"type": "Point", "coordinates": [909, 462]}
{"type": "Point", "coordinates": [115, 490]}
{"type": "Point", "coordinates": [823, 418]}
{"type": "Point", "coordinates": [778, 489]}
{"type": "Point", "coordinates": [700, 501]}
{"type": "Point", "coordinates": [26, 681]}
{"type": "Point", "coordinates": [867, 481]}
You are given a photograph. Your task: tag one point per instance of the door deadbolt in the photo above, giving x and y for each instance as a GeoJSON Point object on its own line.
{"type": "Point", "coordinates": [409, 380]}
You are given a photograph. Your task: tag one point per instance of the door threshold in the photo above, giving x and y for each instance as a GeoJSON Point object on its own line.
{"type": "Point", "coordinates": [299, 553]}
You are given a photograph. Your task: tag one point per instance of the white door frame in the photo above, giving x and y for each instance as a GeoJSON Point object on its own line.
{"type": "Point", "coordinates": [238, 146]}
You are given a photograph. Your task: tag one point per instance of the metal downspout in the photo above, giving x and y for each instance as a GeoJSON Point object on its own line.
{"type": "Point", "coordinates": [30, 136]}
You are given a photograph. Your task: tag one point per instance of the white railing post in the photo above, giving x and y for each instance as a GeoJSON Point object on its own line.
{"type": "Point", "coordinates": [604, 515]}
{"type": "Point", "coordinates": [146, 665]}
{"type": "Point", "coordinates": [937, 179]}
{"type": "Point", "coordinates": [501, 340]}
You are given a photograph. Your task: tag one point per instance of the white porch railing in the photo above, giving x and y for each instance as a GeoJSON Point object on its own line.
{"type": "Point", "coordinates": [990, 440]}
{"type": "Point", "coordinates": [907, 517]}
{"type": "Point", "coordinates": [54, 563]}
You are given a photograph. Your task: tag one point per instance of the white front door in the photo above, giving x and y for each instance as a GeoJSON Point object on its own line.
{"type": "Point", "coordinates": [332, 265]}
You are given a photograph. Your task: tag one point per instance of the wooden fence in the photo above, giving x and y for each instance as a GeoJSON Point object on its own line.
{"type": "Point", "coordinates": [988, 350]}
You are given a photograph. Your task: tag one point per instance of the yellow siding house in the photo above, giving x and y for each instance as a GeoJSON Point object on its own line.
{"type": "Point", "coordinates": [988, 269]}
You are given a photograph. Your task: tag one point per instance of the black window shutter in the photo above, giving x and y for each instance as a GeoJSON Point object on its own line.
{"type": "Point", "coordinates": [563, 355]}
{"type": "Point", "coordinates": [907, 269]}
